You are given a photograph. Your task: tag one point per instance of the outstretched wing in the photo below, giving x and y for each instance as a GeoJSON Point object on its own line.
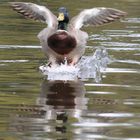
{"type": "Point", "coordinates": [96, 16]}
{"type": "Point", "coordinates": [36, 12]}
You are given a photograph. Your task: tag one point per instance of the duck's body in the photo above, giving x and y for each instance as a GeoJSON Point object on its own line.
{"type": "Point", "coordinates": [60, 44]}
{"type": "Point", "coordinates": [63, 39]}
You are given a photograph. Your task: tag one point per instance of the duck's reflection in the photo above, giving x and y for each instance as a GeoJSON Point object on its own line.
{"type": "Point", "coordinates": [59, 96]}
{"type": "Point", "coordinates": [59, 104]}
{"type": "Point", "coordinates": [62, 95]}
{"type": "Point", "coordinates": [61, 113]}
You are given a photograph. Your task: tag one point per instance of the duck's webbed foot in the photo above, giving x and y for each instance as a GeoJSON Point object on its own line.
{"type": "Point", "coordinates": [74, 61]}
{"type": "Point", "coordinates": [49, 64]}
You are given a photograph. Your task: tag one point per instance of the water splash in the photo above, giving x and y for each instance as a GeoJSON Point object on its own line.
{"type": "Point", "coordinates": [88, 67]}
{"type": "Point", "coordinates": [93, 66]}
{"type": "Point", "coordinates": [60, 72]}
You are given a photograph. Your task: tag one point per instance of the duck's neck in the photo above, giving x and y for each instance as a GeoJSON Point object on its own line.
{"type": "Point", "coordinates": [62, 25]}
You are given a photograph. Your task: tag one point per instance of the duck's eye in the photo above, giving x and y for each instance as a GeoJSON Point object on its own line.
{"type": "Point", "coordinates": [60, 17]}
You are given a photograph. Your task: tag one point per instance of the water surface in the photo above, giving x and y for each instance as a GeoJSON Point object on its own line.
{"type": "Point", "coordinates": [34, 108]}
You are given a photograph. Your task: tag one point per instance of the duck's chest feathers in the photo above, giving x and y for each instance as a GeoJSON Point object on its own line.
{"type": "Point", "coordinates": [61, 42]}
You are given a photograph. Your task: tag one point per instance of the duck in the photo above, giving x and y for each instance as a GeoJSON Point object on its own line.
{"type": "Point", "coordinates": [63, 38]}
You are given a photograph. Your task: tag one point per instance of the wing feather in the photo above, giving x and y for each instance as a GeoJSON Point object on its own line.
{"type": "Point", "coordinates": [96, 16]}
{"type": "Point", "coordinates": [35, 12]}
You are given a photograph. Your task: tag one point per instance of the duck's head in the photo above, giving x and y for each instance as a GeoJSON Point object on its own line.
{"type": "Point", "coordinates": [63, 18]}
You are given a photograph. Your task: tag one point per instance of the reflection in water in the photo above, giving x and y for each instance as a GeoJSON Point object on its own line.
{"type": "Point", "coordinates": [60, 95]}
{"type": "Point", "coordinates": [61, 112]}
{"type": "Point", "coordinates": [59, 104]}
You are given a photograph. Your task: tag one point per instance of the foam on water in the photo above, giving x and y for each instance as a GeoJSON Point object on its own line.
{"type": "Point", "coordinates": [88, 67]}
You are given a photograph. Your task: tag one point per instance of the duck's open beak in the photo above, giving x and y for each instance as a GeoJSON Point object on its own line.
{"type": "Point", "coordinates": [60, 17]}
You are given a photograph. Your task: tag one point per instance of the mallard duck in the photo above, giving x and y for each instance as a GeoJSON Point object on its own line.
{"type": "Point", "coordinates": [63, 39]}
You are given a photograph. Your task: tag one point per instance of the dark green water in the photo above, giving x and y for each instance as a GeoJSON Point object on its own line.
{"type": "Point", "coordinates": [32, 108]}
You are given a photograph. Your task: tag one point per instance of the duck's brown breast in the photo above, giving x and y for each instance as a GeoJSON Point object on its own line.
{"type": "Point", "coordinates": [61, 42]}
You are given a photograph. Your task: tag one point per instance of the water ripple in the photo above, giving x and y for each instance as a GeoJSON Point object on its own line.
{"type": "Point", "coordinates": [136, 35]}
{"type": "Point", "coordinates": [13, 61]}
{"type": "Point", "coordinates": [99, 124]}
{"type": "Point", "coordinates": [100, 92]}
{"type": "Point", "coordinates": [122, 70]}
{"type": "Point", "coordinates": [131, 20]}
{"type": "Point", "coordinates": [122, 44]}
{"type": "Point", "coordinates": [117, 115]}
{"type": "Point", "coordinates": [122, 33]}
{"type": "Point", "coordinates": [18, 46]}
{"type": "Point", "coordinates": [99, 37]}
{"type": "Point", "coordinates": [123, 48]}
{"type": "Point", "coordinates": [129, 61]}
{"type": "Point", "coordinates": [114, 85]}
